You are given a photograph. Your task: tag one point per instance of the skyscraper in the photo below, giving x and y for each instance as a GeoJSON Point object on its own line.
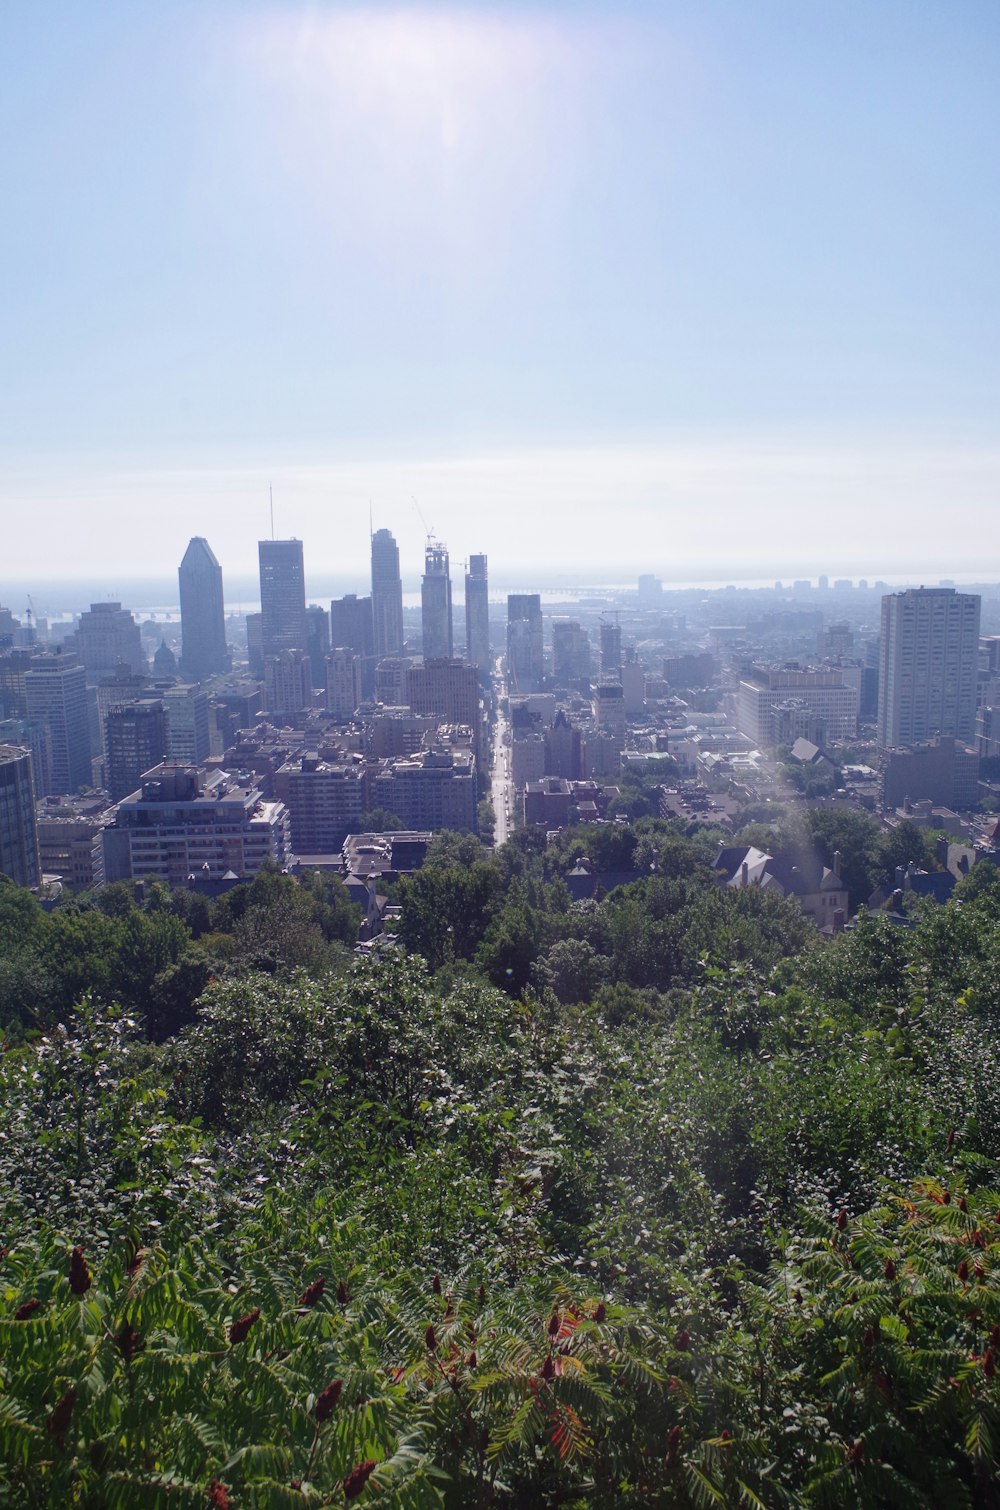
{"type": "Point", "coordinates": [387, 595]}
{"type": "Point", "coordinates": [204, 652]}
{"type": "Point", "coordinates": [136, 741]}
{"type": "Point", "coordinates": [351, 624]}
{"type": "Point", "coordinates": [477, 615]}
{"type": "Point", "coordinates": [435, 602]}
{"type": "Point", "coordinates": [282, 596]}
{"type": "Point", "coordinates": [929, 658]}
{"type": "Point", "coordinates": [525, 660]}
{"type": "Point", "coordinates": [18, 834]}
{"type": "Point", "coordinates": [55, 690]}
{"type": "Point", "coordinates": [611, 651]}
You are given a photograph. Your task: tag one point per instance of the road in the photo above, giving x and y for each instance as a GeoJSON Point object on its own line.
{"type": "Point", "coordinates": [502, 791]}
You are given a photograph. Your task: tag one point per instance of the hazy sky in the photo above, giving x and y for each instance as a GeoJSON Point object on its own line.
{"type": "Point", "coordinates": [631, 287]}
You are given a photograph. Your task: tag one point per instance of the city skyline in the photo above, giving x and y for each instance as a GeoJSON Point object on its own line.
{"type": "Point", "coordinates": [721, 276]}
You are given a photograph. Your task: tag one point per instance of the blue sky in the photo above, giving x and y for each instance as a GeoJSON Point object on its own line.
{"type": "Point", "coordinates": [653, 286]}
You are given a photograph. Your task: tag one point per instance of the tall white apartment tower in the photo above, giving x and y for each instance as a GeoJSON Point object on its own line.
{"type": "Point", "coordinates": [927, 671]}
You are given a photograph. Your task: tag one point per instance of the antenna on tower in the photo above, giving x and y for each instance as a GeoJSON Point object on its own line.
{"type": "Point", "coordinates": [270, 494]}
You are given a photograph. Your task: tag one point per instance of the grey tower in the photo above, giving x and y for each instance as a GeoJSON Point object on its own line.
{"type": "Point", "coordinates": [477, 615]}
{"type": "Point", "coordinates": [929, 659]}
{"type": "Point", "coordinates": [203, 614]}
{"type": "Point", "coordinates": [282, 597]}
{"type": "Point", "coordinates": [525, 661]}
{"type": "Point", "coordinates": [435, 602]}
{"type": "Point", "coordinates": [387, 595]}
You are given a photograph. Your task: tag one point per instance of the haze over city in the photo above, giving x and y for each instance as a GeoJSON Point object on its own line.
{"type": "Point", "coordinates": [717, 284]}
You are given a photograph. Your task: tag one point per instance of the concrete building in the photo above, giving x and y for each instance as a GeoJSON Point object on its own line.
{"type": "Point", "coordinates": [571, 661]}
{"type": "Point", "coordinates": [325, 801]}
{"type": "Point", "coordinates": [943, 771]}
{"type": "Point", "coordinates": [343, 682]}
{"type": "Point", "coordinates": [204, 652]}
{"type": "Point", "coordinates": [691, 670]}
{"type": "Point", "coordinates": [255, 644]}
{"type": "Point", "coordinates": [435, 603]}
{"type": "Point", "coordinates": [399, 732]}
{"type": "Point", "coordinates": [233, 707]}
{"type": "Point", "coordinates": [477, 616]}
{"type": "Point", "coordinates": [69, 840]}
{"type": "Point", "coordinates": [282, 597]}
{"type": "Point", "coordinates": [137, 739]}
{"type": "Point", "coordinates": [929, 661]}
{"type": "Point", "coordinates": [107, 636]}
{"type": "Point", "coordinates": [183, 822]}
{"type": "Point", "coordinates": [287, 684]}
{"type": "Point", "coordinates": [431, 790]}
{"type": "Point", "coordinates": [352, 626]}
{"type": "Point", "coordinates": [449, 689]}
{"type": "Point", "coordinates": [55, 689]}
{"type": "Point", "coordinates": [525, 646]}
{"type": "Point", "coordinates": [392, 681]}
{"type": "Point", "coordinates": [633, 680]}
{"type": "Point", "coordinates": [188, 732]}
{"type": "Point", "coordinates": [387, 595]}
{"type": "Point", "coordinates": [18, 836]}
{"type": "Point", "coordinates": [829, 708]}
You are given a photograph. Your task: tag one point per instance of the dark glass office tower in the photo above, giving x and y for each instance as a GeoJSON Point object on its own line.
{"type": "Point", "coordinates": [204, 652]}
{"type": "Point", "coordinates": [282, 597]}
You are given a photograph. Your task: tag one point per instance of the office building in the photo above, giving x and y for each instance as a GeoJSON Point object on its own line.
{"type": "Point", "coordinates": [525, 651]}
{"type": "Point", "coordinates": [106, 637]}
{"type": "Point", "coordinates": [611, 651]}
{"type": "Point", "coordinates": [188, 734]}
{"type": "Point", "coordinates": [448, 689]}
{"type": "Point", "coordinates": [477, 616]}
{"type": "Point", "coordinates": [352, 627]}
{"type": "Point", "coordinates": [255, 645]}
{"type": "Point", "coordinates": [55, 689]}
{"type": "Point", "coordinates": [136, 736]}
{"type": "Point", "coordinates": [343, 682]}
{"type": "Point", "coordinates": [387, 595]}
{"type": "Point", "coordinates": [184, 823]}
{"type": "Point", "coordinates": [18, 836]}
{"type": "Point", "coordinates": [282, 597]}
{"type": "Point", "coordinates": [287, 684]}
{"type": "Point", "coordinates": [570, 652]}
{"type": "Point", "coordinates": [929, 661]}
{"type": "Point", "coordinates": [779, 704]}
{"type": "Point", "coordinates": [204, 652]}
{"type": "Point", "coordinates": [435, 603]}
{"type": "Point", "coordinates": [317, 642]}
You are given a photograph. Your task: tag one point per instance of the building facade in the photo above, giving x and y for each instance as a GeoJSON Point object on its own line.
{"type": "Point", "coordinates": [282, 597]}
{"type": "Point", "coordinates": [435, 602]}
{"type": "Point", "coordinates": [18, 835]}
{"type": "Point", "coordinates": [477, 615]}
{"type": "Point", "coordinates": [525, 646]}
{"type": "Point", "coordinates": [137, 739]}
{"type": "Point", "coordinates": [55, 690]}
{"type": "Point", "coordinates": [929, 662]}
{"type": "Point", "coordinates": [182, 823]}
{"type": "Point", "coordinates": [387, 595]}
{"type": "Point", "coordinates": [204, 652]}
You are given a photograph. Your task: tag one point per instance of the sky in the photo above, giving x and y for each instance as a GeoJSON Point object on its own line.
{"type": "Point", "coordinates": [706, 289]}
